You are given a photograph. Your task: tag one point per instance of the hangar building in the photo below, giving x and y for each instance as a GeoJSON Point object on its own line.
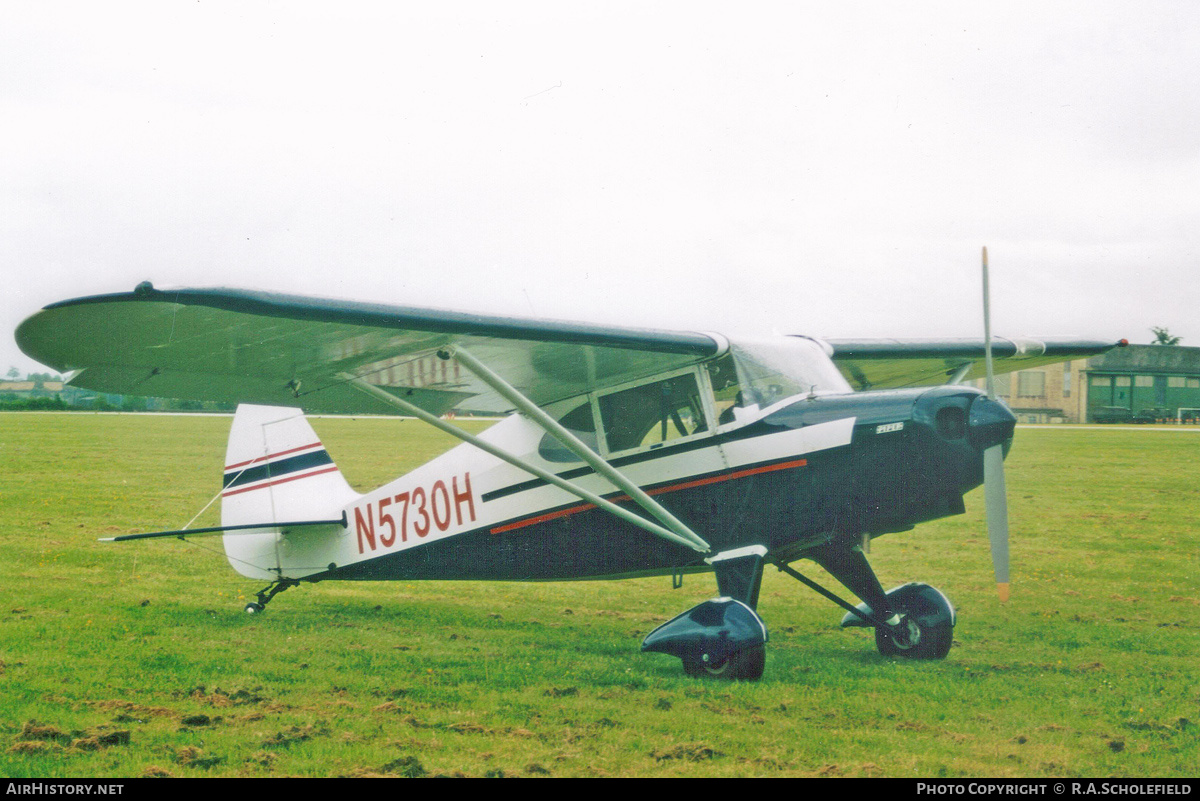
{"type": "Point", "coordinates": [1138, 383]}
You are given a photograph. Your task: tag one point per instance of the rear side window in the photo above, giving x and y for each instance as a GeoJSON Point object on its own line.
{"type": "Point", "coordinates": [580, 422]}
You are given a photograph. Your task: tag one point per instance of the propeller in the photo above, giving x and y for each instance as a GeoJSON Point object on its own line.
{"type": "Point", "coordinates": [995, 495]}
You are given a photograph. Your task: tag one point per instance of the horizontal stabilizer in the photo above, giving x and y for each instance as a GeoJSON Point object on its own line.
{"type": "Point", "coordinates": [216, 530]}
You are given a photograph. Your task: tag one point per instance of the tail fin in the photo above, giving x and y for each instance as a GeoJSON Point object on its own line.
{"type": "Point", "coordinates": [276, 471]}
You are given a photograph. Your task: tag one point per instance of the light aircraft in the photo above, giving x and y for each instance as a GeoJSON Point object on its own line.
{"type": "Point", "coordinates": [629, 452]}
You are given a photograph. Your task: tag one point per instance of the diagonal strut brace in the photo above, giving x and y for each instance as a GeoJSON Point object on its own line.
{"type": "Point", "coordinates": [487, 447]}
{"type": "Point", "coordinates": [871, 619]}
{"type": "Point", "coordinates": [576, 446]}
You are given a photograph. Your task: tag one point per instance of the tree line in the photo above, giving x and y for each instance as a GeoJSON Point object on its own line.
{"type": "Point", "coordinates": [68, 398]}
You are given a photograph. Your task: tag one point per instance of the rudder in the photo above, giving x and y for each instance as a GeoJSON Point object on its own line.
{"type": "Point", "coordinates": [276, 471]}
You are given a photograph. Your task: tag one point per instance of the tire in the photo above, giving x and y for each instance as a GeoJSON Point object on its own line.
{"type": "Point", "coordinates": [253, 608]}
{"type": "Point", "coordinates": [925, 640]}
{"type": "Point", "coordinates": [746, 665]}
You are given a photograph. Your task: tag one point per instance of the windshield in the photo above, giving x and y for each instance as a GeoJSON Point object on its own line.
{"type": "Point", "coordinates": [770, 370]}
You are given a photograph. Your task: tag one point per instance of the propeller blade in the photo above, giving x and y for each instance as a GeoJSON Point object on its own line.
{"type": "Point", "coordinates": [987, 330]}
{"type": "Point", "coordinates": [996, 501]}
{"type": "Point", "coordinates": [995, 493]}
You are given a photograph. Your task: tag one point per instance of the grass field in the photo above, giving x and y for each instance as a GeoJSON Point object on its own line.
{"type": "Point", "coordinates": [126, 660]}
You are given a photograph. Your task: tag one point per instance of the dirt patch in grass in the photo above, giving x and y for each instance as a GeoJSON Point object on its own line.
{"type": "Point", "coordinates": [199, 720]}
{"type": "Point", "coordinates": [190, 756]}
{"type": "Point", "coordinates": [38, 738]}
{"type": "Point", "coordinates": [131, 709]}
{"type": "Point", "coordinates": [155, 772]}
{"type": "Point", "coordinates": [409, 767]}
{"type": "Point", "coordinates": [94, 742]}
{"type": "Point", "coordinates": [33, 748]}
{"type": "Point", "coordinates": [220, 698]}
{"type": "Point", "coordinates": [32, 730]}
{"type": "Point", "coordinates": [294, 734]}
{"type": "Point", "coordinates": [690, 752]}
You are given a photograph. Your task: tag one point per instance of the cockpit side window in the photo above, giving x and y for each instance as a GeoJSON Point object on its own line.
{"type": "Point", "coordinates": [580, 422]}
{"type": "Point", "coordinates": [649, 415]}
{"type": "Point", "coordinates": [727, 392]}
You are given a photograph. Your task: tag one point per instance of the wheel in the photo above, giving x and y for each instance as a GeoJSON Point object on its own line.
{"type": "Point", "coordinates": [926, 628]}
{"type": "Point", "coordinates": [746, 665]}
{"type": "Point", "coordinates": [253, 608]}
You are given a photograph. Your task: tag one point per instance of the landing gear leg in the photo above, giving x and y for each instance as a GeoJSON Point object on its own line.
{"type": "Point", "coordinates": [723, 637]}
{"type": "Point", "coordinates": [849, 565]}
{"type": "Point", "coordinates": [915, 621]}
{"type": "Point", "coordinates": [267, 593]}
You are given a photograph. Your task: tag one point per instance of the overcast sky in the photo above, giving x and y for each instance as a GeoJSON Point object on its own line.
{"type": "Point", "coordinates": [822, 168]}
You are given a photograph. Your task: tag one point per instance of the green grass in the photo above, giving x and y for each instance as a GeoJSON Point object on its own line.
{"type": "Point", "coordinates": [124, 660]}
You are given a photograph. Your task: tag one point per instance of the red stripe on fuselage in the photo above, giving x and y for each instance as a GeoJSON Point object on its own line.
{"type": "Point", "coordinates": [699, 482]}
{"type": "Point", "coordinates": [271, 456]}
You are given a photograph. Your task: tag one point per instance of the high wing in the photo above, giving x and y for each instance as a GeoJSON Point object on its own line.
{"type": "Point", "coordinates": [287, 350]}
{"type": "Point", "coordinates": [896, 363]}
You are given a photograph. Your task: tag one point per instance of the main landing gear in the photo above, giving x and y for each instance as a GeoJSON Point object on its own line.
{"type": "Point", "coordinates": [915, 621]}
{"type": "Point", "coordinates": [267, 593]}
{"type": "Point", "coordinates": [726, 638]}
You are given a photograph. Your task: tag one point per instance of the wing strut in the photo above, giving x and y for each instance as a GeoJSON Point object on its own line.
{"type": "Point", "coordinates": [576, 446]}
{"type": "Point", "coordinates": [694, 542]}
{"type": "Point", "coordinates": [958, 375]}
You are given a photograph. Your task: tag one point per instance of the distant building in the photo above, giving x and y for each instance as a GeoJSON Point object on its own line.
{"type": "Point", "coordinates": [31, 389]}
{"type": "Point", "coordinates": [1151, 381]}
{"type": "Point", "coordinates": [1138, 383]}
